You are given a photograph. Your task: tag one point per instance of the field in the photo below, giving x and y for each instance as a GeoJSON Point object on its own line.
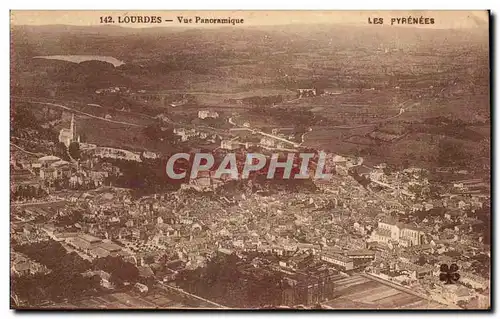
{"type": "Point", "coordinates": [375, 80]}
{"type": "Point", "coordinates": [369, 292]}
{"type": "Point", "coordinates": [156, 298]}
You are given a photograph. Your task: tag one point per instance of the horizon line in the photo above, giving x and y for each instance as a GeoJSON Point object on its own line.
{"type": "Point", "coordinates": [219, 26]}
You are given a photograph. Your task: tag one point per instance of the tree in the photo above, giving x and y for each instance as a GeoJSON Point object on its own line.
{"type": "Point", "coordinates": [421, 261]}
{"type": "Point", "coordinates": [452, 153]}
{"type": "Point", "coordinates": [119, 269]}
{"type": "Point", "coordinates": [152, 132]}
{"type": "Point", "coordinates": [74, 150]}
{"type": "Point", "coordinates": [61, 150]}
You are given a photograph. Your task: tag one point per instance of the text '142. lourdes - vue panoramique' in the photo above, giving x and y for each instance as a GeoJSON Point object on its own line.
{"type": "Point", "coordinates": [250, 160]}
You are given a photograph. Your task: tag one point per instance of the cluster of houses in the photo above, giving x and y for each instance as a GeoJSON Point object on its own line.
{"type": "Point", "coordinates": [307, 92]}
{"type": "Point", "coordinates": [203, 114]}
{"type": "Point", "coordinates": [51, 168]}
{"type": "Point", "coordinates": [185, 134]}
{"type": "Point", "coordinates": [114, 89]}
{"type": "Point", "coordinates": [23, 266]}
{"type": "Point", "coordinates": [341, 259]}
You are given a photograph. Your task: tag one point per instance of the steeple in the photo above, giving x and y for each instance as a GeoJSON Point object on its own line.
{"type": "Point", "coordinates": [72, 127]}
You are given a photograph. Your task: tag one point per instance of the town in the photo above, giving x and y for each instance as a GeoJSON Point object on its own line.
{"type": "Point", "coordinates": [368, 226]}
{"type": "Point", "coordinates": [277, 167]}
{"type": "Point", "coordinates": [249, 165]}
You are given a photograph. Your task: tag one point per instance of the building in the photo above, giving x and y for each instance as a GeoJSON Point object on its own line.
{"type": "Point", "coordinates": [267, 141]}
{"type": "Point", "coordinates": [307, 248]}
{"type": "Point", "coordinates": [179, 103]}
{"type": "Point", "coordinates": [474, 281]}
{"type": "Point", "coordinates": [281, 145]}
{"type": "Point", "coordinates": [361, 257]}
{"type": "Point", "coordinates": [84, 242]}
{"type": "Point", "coordinates": [397, 233]}
{"type": "Point", "coordinates": [68, 136]}
{"type": "Point", "coordinates": [203, 114]}
{"type": "Point", "coordinates": [56, 170]}
{"type": "Point", "coordinates": [306, 289]}
{"type": "Point", "coordinates": [341, 261]}
{"type": "Point", "coordinates": [347, 260]}
{"type": "Point", "coordinates": [141, 287]}
{"type": "Point", "coordinates": [21, 177]}
{"type": "Point", "coordinates": [185, 134]}
{"type": "Point", "coordinates": [306, 92]}
{"type": "Point", "coordinates": [47, 160]}
{"type": "Point", "coordinates": [22, 269]}
{"type": "Point", "coordinates": [150, 155]}
{"type": "Point", "coordinates": [229, 145]}
{"type": "Point", "coordinates": [105, 277]}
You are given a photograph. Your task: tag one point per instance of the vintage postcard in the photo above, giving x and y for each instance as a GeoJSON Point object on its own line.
{"type": "Point", "coordinates": [250, 160]}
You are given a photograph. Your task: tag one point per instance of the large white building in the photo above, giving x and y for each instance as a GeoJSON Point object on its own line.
{"type": "Point", "coordinates": [393, 232]}
{"type": "Point", "coordinates": [203, 114]}
{"type": "Point", "coordinates": [67, 136]}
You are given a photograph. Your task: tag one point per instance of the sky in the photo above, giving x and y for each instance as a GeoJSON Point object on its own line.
{"type": "Point", "coordinates": [443, 19]}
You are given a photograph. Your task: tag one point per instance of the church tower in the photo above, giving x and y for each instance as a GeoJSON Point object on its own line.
{"type": "Point", "coordinates": [72, 127]}
{"type": "Point", "coordinates": [67, 136]}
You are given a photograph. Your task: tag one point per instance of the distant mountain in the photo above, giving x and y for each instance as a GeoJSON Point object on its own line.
{"type": "Point", "coordinates": [108, 30]}
{"type": "Point", "coordinates": [128, 43]}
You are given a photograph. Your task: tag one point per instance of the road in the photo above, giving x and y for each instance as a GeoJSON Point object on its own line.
{"type": "Point", "coordinates": [38, 203]}
{"type": "Point", "coordinates": [25, 151]}
{"type": "Point", "coordinates": [189, 295]}
{"type": "Point", "coordinates": [80, 112]}
{"type": "Point", "coordinates": [401, 111]}
{"type": "Point", "coordinates": [266, 134]}
{"type": "Point", "coordinates": [198, 127]}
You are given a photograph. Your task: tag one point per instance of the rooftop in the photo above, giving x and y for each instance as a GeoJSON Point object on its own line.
{"type": "Point", "coordinates": [99, 252]}
{"type": "Point", "coordinates": [22, 266]}
{"type": "Point", "coordinates": [89, 238]}
{"type": "Point", "coordinates": [383, 232]}
{"type": "Point", "coordinates": [49, 158]}
{"type": "Point", "coordinates": [59, 163]}
{"type": "Point", "coordinates": [360, 252]}
{"type": "Point", "coordinates": [110, 247]}
{"type": "Point", "coordinates": [392, 221]}
{"type": "Point", "coordinates": [337, 257]}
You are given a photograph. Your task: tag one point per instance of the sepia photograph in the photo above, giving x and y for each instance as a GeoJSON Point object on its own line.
{"type": "Point", "coordinates": [276, 160]}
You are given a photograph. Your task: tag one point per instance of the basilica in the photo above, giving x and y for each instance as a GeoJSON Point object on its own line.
{"type": "Point", "coordinates": [67, 136]}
